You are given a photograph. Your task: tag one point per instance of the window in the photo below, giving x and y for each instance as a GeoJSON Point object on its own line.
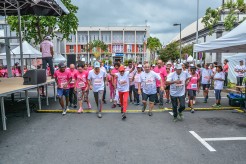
{"type": "Point", "coordinates": [71, 48]}
{"type": "Point", "coordinates": [129, 48]}
{"type": "Point", "coordinates": [140, 48]}
{"type": "Point", "coordinates": [83, 38]}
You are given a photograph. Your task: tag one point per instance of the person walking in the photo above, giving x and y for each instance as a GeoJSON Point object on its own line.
{"type": "Point", "coordinates": [81, 87]}
{"type": "Point", "coordinates": [206, 75]}
{"type": "Point", "coordinates": [148, 80]}
{"type": "Point", "coordinates": [193, 87]}
{"type": "Point", "coordinates": [72, 94]}
{"type": "Point", "coordinates": [178, 82]}
{"type": "Point", "coordinates": [219, 78]}
{"type": "Point", "coordinates": [63, 78]}
{"type": "Point", "coordinates": [240, 72]}
{"type": "Point", "coordinates": [46, 48]}
{"type": "Point", "coordinates": [161, 71]}
{"type": "Point", "coordinates": [225, 70]}
{"type": "Point", "coordinates": [136, 79]}
{"type": "Point", "coordinates": [96, 82]}
{"type": "Point", "coordinates": [122, 84]}
{"type": "Point", "coordinates": [132, 86]}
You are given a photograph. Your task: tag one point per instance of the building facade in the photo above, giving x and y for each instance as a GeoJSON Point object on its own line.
{"type": "Point", "coordinates": [123, 43]}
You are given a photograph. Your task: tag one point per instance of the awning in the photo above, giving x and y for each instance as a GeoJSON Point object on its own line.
{"type": "Point", "coordinates": [33, 7]}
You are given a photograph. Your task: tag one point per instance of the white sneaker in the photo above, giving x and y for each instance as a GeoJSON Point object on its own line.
{"type": "Point", "coordinates": [111, 100]}
{"type": "Point", "coordinates": [64, 112]}
{"type": "Point", "coordinates": [68, 108]}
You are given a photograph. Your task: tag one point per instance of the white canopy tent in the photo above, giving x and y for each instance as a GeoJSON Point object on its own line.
{"type": "Point", "coordinates": [233, 61]}
{"type": "Point", "coordinates": [233, 42]}
{"type": "Point", "coordinates": [59, 58]}
{"type": "Point", "coordinates": [29, 53]}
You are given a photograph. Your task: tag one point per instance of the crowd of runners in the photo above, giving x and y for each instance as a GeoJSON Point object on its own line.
{"type": "Point", "coordinates": [178, 84]}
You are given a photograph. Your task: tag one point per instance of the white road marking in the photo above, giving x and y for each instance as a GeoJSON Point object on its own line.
{"type": "Point", "coordinates": [209, 97]}
{"type": "Point", "coordinates": [226, 139]}
{"type": "Point", "coordinates": [171, 113]}
{"type": "Point", "coordinates": [209, 147]}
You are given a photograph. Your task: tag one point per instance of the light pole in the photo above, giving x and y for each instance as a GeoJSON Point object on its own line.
{"type": "Point", "coordinates": [197, 19]}
{"type": "Point", "coordinates": [179, 24]}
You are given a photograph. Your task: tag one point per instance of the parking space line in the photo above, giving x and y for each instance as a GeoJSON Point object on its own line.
{"type": "Point", "coordinates": [226, 139]}
{"type": "Point", "coordinates": [202, 141]}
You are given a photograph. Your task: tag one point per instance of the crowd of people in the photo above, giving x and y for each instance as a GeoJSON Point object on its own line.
{"type": "Point", "coordinates": [177, 83]}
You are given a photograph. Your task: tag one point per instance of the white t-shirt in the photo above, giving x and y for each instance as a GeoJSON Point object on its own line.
{"type": "Point", "coordinates": [137, 79]}
{"type": "Point", "coordinates": [218, 84]}
{"type": "Point", "coordinates": [103, 69]}
{"type": "Point", "coordinates": [240, 68]}
{"type": "Point", "coordinates": [97, 80]}
{"type": "Point", "coordinates": [123, 81]}
{"type": "Point", "coordinates": [131, 75]}
{"type": "Point", "coordinates": [206, 75]}
{"type": "Point", "coordinates": [148, 81]}
{"type": "Point", "coordinates": [178, 90]}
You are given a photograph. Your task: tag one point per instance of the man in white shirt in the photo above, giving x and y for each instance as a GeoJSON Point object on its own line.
{"type": "Point", "coordinates": [206, 75]}
{"type": "Point", "coordinates": [104, 91]}
{"type": "Point", "coordinates": [240, 73]}
{"type": "Point", "coordinates": [148, 79]}
{"type": "Point", "coordinates": [96, 82]}
{"type": "Point", "coordinates": [178, 81]}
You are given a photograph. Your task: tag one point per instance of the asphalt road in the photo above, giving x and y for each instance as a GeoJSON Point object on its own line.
{"type": "Point", "coordinates": [49, 138]}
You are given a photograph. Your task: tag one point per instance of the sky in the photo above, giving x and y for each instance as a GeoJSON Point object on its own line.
{"type": "Point", "coordinates": [160, 14]}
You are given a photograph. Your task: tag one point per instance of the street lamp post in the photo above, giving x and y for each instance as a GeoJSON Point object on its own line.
{"type": "Point", "coordinates": [179, 24]}
{"type": "Point", "coordinates": [197, 23]}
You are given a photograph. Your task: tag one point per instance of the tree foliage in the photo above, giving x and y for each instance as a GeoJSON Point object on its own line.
{"type": "Point", "coordinates": [188, 49]}
{"type": "Point", "coordinates": [170, 52]}
{"type": "Point", "coordinates": [36, 27]}
{"type": "Point", "coordinates": [230, 8]}
{"type": "Point", "coordinates": [153, 44]}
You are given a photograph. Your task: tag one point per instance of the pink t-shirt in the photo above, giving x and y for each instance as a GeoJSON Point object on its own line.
{"type": "Point", "coordinates": [113, 72]}
{"type": "Point", "coordinates": [46, 45]}
{"type": "Point", "coordinates": [89, 69]}
{"type": "Point", "coordinates": [162, 73]}
{"type": "Point", "coordinates": [137, 79]}
{"type": "Point", "coordinates": [2, 72]}
{"type": "Point", "coordinates": [109, 78]}
{"type": "Point", "coordinates": [72, 73]}
{"type": "Point", "coordinates": [17, 73]}
{"type": "Point", "coordinates": [81, 79]}
{"type": "Point", "coordinates": [62, 78]}
{"type": "Point", "coordinates": [193, 84]}
{"type": "Point", "coordinates": [131, 75]}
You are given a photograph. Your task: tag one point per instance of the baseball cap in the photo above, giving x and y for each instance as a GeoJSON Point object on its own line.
{"type": "Point", "coordinates": [122, 68]}
{"type": "Point", "coordinates": [169, 63]}
{"type": "Point", "coordinates": [96, 64]}
{"type": "Point", "coordinates": [47, 38]}
{"type": "Point", "coordinates": [111, 67]}
{"type": "Point", "coordinates": [153, 65]}
{"type": "Point", "coordinates": [140, 66]}
{"type": "Point", "coordinates": [178, 66]}
{"type": "Point", "coordinates": [61, 65]}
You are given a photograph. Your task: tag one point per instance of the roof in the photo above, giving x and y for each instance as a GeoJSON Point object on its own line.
{"type": "Point", "coordinates": [189, 30]}
{"type": "Point", "coordinates": [33, 7]}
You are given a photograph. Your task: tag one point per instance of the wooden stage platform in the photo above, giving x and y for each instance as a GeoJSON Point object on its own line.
{"type": "Point", "coordinates": [14, 85]}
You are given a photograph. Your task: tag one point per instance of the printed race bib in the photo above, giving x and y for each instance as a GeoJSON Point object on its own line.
{"type": "Point", "coordinates": [149, 82]}
{"type": "Point", "coordinates": [123, 83]}
{"type": "Point", "coordinates": [72, 82]}
{"type": "Point", "coordinates": [81, 84]}
{"type": "Point", "coordinates": [207, 77]}
{"type": "Point", "coordinates": [193, 86]}
{"type": "Point", "coordinates": [98, 82]}
{"type": "Point", "coordinates": [63, 84]}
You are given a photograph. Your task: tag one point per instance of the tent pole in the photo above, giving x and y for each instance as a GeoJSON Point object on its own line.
{"type": "Point", "coordinates": [8, 58]}
{"type": "Point", "coordinates": [20, 36]}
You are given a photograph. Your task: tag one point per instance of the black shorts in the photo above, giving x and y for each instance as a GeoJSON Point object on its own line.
{"type": "Point", "coordinates": [167, 87]}
{"type": "Point", "coordinates": [151, 97]}
{"type": "Point", "coordinates": [191, 93]}
{"type": "Point", "coordinates": [204, 86]}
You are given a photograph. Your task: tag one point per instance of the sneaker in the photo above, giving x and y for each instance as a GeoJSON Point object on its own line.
{"type": "Point", "coordinates": [143, 109]}
{"type": "Point", "coordinates": [150, 113]}
{"type": "Point", "coordinates": [219, 105]}
{"type": "Point", "coordinates": [99, 115]}
{"type": "Point", "coordinates": [175, 119]}
{"type": "Point", "coordinates": [124, 116]}
{"type": "Point", "coordinates": [75, 106]}
{"type": "Point", "coordinates": [64, 112]}
{"type": "Point", "coordinates": [80, 110]}
{"type": "Point", "coordinates": [113, 106]}
{"type": "Point", "coordinates": [192, 110]}
{"type": "Point", "coordinates": [71, 105]}
{"type": "Point", "coordinates": [119, 105]}
{"type": "Point", "coordinates": [167, 102]}
{"type": "Point", "coordinates": [136, 104]}
{"type": "Point", "coordinates": [121, 109]}
{"type": "Point", "coordinates": [181, 117]}
{"type": "Point", "coordinates": [215, 105]}
{"type": "Point", "coordinates": [89, 105]}
{"type": "Point", "coordinates": [110, 100]}
{"type": "Point", "coordinates": [104, 101]}
{"type": "Point", "coordinates": [68, 108]}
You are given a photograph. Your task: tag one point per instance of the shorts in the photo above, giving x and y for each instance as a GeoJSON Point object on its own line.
{"type": "Point", "coordinates": [191, 93]}
{"type": "Point", "coordinates": [62, 92]}
{"type": "Point", "coordinates": [167, 87]}
{"type": "Point", "coordinates": [151, 97]}
{"type": "Point", "coordinates": [217, 94]}
{"type": "Point", "coordinates": [204, 86]}
{"type": "Point", "coordinates": [82, 94]}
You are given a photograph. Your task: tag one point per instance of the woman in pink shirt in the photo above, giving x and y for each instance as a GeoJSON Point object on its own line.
{"type": "Point", "coordinates": [192, 87]}
{"type": "Point", "coordinates": [110, 84]}
{"type": "Point", "coordinates": [81, 87]}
